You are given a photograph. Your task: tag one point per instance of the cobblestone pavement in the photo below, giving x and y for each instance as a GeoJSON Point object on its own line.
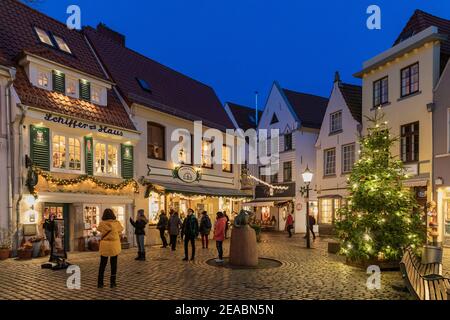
{"type": "Point", "coordinates": [304, 274]}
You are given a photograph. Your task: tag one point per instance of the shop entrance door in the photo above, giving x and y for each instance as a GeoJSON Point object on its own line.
{"type": "Point", "coordinates": [447, 221]}
{"type": "Point", "coordinates": [61, 211]}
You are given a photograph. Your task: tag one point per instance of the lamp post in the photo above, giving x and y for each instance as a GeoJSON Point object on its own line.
{"type": "Point", "coordinates": [307, 176]}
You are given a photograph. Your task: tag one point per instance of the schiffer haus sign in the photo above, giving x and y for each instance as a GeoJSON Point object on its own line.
{"type": "Point", "coordinates": [76, 124]}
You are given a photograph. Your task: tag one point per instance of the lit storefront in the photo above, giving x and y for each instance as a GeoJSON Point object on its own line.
{"type": "Point", "coordinates": [443, 211]}
{"type": "Point", "coordinates": [272, 206]}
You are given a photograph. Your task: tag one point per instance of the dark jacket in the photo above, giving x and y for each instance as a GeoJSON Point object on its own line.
{"type": "Point", "coordinates": [139, 226]}
{"type": "Point", "coordinates": [312, 221]}
{"type": "Point", "coordinates": [205, 225]}
{"type": "Point", "coordinates": [163, 222]}
{"type": "Point", "coordinates": [190, 227]}
{"type": "Point", "coordinates": [174, 225]}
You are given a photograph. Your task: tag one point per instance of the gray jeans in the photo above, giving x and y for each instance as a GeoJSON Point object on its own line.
{"type": "Point", "coordinates": [140, 241]}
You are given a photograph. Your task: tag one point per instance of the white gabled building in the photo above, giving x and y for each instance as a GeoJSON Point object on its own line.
{"type": "Point", "coordinates": [298, 117]}
{"type": "Point", "coordinates": [336, 150]}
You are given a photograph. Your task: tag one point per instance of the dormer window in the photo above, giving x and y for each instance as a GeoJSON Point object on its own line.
{"type": "Point", "coordinates": [71, 87]}
{"type": "Point", "coordinates": [95, 94]}
{"type": "Point", "coordinates": [62, 45]}
{"type": "Point", "coordinates": [44, 36]}
{"type": "Point", "coordinates": [144, 85]}
{"type": "Point", "coordinates": [43, 79]}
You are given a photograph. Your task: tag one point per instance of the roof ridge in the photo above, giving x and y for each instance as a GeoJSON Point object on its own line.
{"type": "Point", "coordinates": [147, 58]}
{"type": "Point", "coordinates": [422, 12]}
{"type": "Point", "coordinates": [304, 93]}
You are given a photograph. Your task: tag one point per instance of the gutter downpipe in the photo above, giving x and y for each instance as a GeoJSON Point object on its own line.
{"type": "Point", "coordinates": [9, 153]}
{"type": "Point", "coordinates": [20, 163]}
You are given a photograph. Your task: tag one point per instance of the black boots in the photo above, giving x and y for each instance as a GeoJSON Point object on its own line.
{"type": "Point", "coordinates": [113, 281]}
{"type": "Point", "coordinates": [140, 257]}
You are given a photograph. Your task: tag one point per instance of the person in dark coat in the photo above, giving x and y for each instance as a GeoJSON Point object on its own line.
{"type": "Point", "coordinates": [189, 231]}
{"type": "Point", "coordinates": [50, 229]}
{"type": "Point", "coordinates": [174, 229]}
{"type": "Point", "coordinates": [139, 230]}
{"type": "Point", "coordinates": [205, 229]}
{"type": "Point", "coordinates": [312, 222]}
{"type": "Point", "coordinates": [162, 226]}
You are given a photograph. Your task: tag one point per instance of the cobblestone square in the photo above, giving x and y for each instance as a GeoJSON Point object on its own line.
{"type": "Point", "coordinates": [304, 274]}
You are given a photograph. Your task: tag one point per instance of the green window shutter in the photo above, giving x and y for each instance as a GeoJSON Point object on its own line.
{"type": "Point", "coordinates": [127, 161]}
{"type": "Point", "coordinates": [89, 155]}
{"type": "Point", "coordinates": [59, 82]}
{"type": "Point", "coordinates": [85, 90]}
{"type": "Point", "coordinates": [40, 147]}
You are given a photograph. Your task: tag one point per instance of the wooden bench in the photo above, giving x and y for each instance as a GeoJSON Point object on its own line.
{"type": "Point", "coordinates": [424, 269]}
{"type": "Point", "coordinates": [422, 284]}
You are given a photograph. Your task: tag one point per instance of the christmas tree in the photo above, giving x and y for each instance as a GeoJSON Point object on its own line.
{"type": "Point", "coordinates": [381, 216]}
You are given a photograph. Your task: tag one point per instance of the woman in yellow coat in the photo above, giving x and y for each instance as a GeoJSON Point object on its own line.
{"type": "Point", "coordinates": [110, 230]}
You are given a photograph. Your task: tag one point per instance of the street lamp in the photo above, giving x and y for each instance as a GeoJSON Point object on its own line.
{"type": "Point", "coordinates": [307, 176]}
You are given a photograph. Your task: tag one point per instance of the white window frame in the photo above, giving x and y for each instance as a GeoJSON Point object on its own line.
{"type": "Point", "coordinates": [77, 89]}
{"type": "Point", "coordinates": [49, 79]}
{"type": "Point", "coordinates": [325, 162]}
{"type": "Point", "coordinates": [44, 36]}
{"type": "Point", "coordinates": [106, 143]}
{"type": "Point", "coordinates": [353, 157]}
{"type": "Point", "coordinates": [228, 161]}
{"type": "Point", "coordinates": [334, 130]}
{"type": "Point", "coordinates": [98, 90]}
{"type": "Point", "coordinates": [67, 137]}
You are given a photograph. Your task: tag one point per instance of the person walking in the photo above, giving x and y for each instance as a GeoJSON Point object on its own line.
{"type": "Point", "coordinates": [205, 229]}
{"type": "Point", "coordinates": [162, 226]}
{"type": "Point", "coordinates": [174, 229]}
{"type": "Point", "coordinates": [289, 224]}
{"type": "Point", "coordinates": [50, 229]}
{"type": "Point", "coordinates": [110, 246]}
{"type": "Point", "coordinates": [189, 231]}
{"type": "Point", "coordinates": [227, 225]}
{"type": "Point", "coordinates": [139, 230]}
{"type": "Point", "coordinates": [219, 234]}
{"type": "Point", "coordinates": [311, 222]}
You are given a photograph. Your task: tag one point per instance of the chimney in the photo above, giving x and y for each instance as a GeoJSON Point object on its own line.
{"type": "Point", "coordinates": [111, 34]}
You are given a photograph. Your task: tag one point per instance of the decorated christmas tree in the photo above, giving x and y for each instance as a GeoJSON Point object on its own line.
{"type": "Point", "coordinates": [381, 216]}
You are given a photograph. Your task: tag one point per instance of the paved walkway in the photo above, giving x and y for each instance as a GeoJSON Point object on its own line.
{"type": "Point", "coordinates": [304, 274]}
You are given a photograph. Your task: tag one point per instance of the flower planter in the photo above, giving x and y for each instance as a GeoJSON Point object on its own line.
{"type": "Point", "coordinates": [384, 265]}
{"type": "Point", "coordinates": [4, 254]}
{"type": "Point", "coordinates": [25, 254]}
{"type": "Point", "coordinates": [334, 247]}
{"type": "Point", "coordinates": [93, 244]}
{"type": "Point", "coordinates": [36, 249]}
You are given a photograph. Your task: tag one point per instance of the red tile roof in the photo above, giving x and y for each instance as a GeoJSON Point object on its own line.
{"type": "Point", "coordinates": [420, 21]}
{"type": "Point", "coordinates": [17, 22]}
{"type": "Point", "coordinates": [244, 116]}
{"type": "Point", "coordinates": [171, 91]}
{"type": "Point", "coordinates": [310, 109]}
{"type": "Point", "coordinates": [113, 114]}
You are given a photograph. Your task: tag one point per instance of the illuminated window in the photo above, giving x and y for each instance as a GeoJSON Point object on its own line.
{"type": "Point", "coordinates": [59, 152]}
{"type": "Point", "coordinates": [66, 153]}
{"type": "Point", "coordinates": [207, 154]}
{"type": "Point", "coordinates": [330, 162]}
{"type": "Point", "coordinates": [348, 157]}
{"type": "Point", "coordinates": [43, 79]}
{"type": "Point", "coordinates": [62, 44]}
{"type": "Point", "coordinates": [43, 36]}
{"type": "Point", "coordinates": [106, 159]}
{"type": "Point", "coordinates": [226, 159]}
{"type": "Point", "coordinates": [95, 94]}
{"type": "Point", "coordinates": [71, 87]}
{"type": "Point", "coordinates": [326, 211]}
{"type": "Point", "coordinates": [156, 136]}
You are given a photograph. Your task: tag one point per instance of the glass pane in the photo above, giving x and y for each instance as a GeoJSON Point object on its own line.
{"type": "Point", "coordinates": [100, 158]}
{"type": "Point", "coordinates": [112, 160]}
{"type": "Point", "coordinates": [59, 152]}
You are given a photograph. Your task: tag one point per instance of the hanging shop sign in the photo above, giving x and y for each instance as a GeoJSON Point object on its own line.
{"type": "Point", "coordinates": [411, 169]}
{"type": "Point", "coordinates": [263, 191]}
{"type": "Point", "coordinates": [186, 174]}
{"type": "Point", "coordinates": [76, 124]}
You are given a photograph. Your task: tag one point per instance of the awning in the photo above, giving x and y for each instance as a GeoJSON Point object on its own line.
{"type": "Point", "coordinates": [266, 202]}
{"type": "Point", "coordinates": [415, 183]}
{"type": "Point", "coordinates": [198, 190]}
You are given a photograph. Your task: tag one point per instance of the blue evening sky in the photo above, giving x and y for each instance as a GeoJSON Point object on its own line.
{"type": "Point", "coordinates": [239, 46]}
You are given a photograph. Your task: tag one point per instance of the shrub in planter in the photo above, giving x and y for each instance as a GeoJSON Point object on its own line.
{"type": "Point", "coordinates": [5, 244]}
{"type": "Point", "coordinates": [26, 251]}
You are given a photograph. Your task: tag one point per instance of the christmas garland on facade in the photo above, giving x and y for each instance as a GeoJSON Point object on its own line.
{"type": "Point", "coordinates": [35, 171]}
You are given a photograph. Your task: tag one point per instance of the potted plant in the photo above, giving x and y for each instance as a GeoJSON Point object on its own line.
{"type": "Point", "coordinates": [5, 244]}
{"type": "Point", "coordinates": [25, 252]}
{"type": "Point", "coordinates": [124, 242]}
{"type": "Point", "coordinates": [93, 243]}
{"type": "Point", "coordinates": [37, 244]}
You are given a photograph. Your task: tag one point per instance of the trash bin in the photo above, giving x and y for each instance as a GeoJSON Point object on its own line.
{"type": "Point", "coordinates": [431, 254]}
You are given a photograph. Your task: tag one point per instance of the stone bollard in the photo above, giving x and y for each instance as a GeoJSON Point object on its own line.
{"type": "Point", "coordinates": [243, 247]}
